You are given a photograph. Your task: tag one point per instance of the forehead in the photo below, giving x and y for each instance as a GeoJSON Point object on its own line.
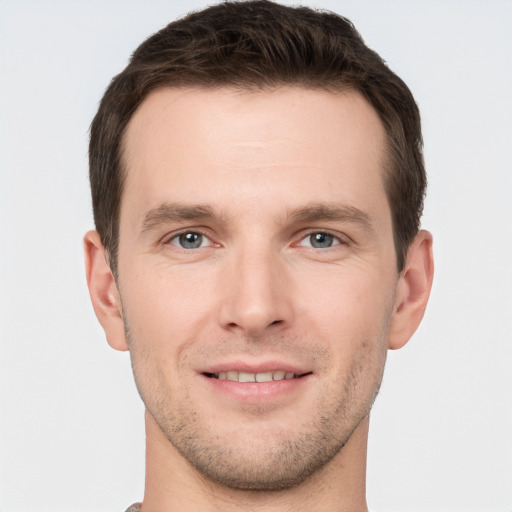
{"type": "Point", "coordinates": [231, 147]}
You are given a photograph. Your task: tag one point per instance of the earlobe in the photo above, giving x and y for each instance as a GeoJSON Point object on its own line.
{"type": "Point", "coordinates": [103, 291]}
{"type": "Point", "coordinates": [413, 290]}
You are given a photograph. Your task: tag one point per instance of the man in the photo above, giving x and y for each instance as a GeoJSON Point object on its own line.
{"type": "Point", "coordinates": [257, 183]}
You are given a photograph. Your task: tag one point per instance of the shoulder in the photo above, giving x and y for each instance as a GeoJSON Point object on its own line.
{"type": "Point", "coordinates": [134, 508]}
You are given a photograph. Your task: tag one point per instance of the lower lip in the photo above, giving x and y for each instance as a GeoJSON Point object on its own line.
{"type": "Point", "coordinates": [256, 392]}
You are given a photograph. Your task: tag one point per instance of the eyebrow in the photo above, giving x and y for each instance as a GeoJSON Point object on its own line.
{"type": "Point", "coordinates": [315, 212]}
{"type": "Point", "coordinates": [174, 212]}
{"type": "Point", "coordinates": [331, 212]}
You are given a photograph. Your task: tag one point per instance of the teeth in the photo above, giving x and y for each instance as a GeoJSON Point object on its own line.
{"type": "Point", "coordinates": [264, 377]}
{"type": "Point", "coordinates": [280, 375]}
{"type": "Point", "coordinates": [254, 377]}
{"type": "Point", "coordinates": [246, 377]}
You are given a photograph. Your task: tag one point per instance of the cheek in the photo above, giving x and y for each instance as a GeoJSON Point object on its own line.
{"type": "Point", "coordinates": [345, 301]}
{"type": "Point", "coordinates": [351, 318]}
{"type": "Point", "coordinates": [166, 307]}
{"type": "Point", "coordinates": [161, 324]}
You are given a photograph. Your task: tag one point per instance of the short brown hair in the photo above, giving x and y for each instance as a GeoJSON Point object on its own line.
{"type": "Point", "coordinates": [259, 44]}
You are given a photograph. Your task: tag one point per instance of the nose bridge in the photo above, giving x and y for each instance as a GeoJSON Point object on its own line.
{"type": "Point", "coordinates": [255, 292]}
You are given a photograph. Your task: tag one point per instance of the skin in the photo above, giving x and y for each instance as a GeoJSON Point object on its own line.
{"type": "Point", "coordinates": [254, 175]}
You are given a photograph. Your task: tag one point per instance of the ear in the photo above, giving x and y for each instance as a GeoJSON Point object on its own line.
{"type": "Point", "coordinates": [105, 297]}
{"type": "Point", "coordinates": [413, 290]}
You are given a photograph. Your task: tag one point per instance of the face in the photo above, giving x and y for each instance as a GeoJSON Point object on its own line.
{"type": "Point", "coordinates": [257, 275]}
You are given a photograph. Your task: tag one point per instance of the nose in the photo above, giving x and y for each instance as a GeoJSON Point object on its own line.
{"type": "Point", "coordinates": [256, 294]}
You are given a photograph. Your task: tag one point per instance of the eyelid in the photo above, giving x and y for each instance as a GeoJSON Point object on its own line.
{"type": "Point", "coordinates": [168, 239]}
{"type": "Point", "coordinates": [339, 237]}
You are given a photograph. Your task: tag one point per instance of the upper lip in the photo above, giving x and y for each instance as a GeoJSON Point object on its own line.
{"type": "Point", "coordinates": [255, 367]}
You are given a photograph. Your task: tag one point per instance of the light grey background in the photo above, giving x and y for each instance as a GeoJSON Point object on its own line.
{"type": "Point", "coordinates": [71, 423]}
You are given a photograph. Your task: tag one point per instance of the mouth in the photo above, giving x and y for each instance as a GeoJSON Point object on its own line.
{"type": "Point", "coordinates": [237, 376]}
{"type": "Point", "coordinates": [253, 383]}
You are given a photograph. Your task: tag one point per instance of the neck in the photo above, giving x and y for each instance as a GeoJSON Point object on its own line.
{"type": "Point", "coordinates": [173, 484]}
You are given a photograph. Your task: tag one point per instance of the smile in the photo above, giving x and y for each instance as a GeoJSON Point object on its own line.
{"type": "Point", "coordinates": [236, 376]}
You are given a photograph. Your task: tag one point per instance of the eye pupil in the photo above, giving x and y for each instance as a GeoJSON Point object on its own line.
{"type": "Point", "coordinates": [191, 240]}
{"type": "Point", "coordinates": [321, 240]}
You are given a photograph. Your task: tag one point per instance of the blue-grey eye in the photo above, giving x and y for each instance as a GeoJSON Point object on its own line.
{"type": "Point", "coordinates": [190, 240]}
{"type": "Point", "coordinates": [321, 240]}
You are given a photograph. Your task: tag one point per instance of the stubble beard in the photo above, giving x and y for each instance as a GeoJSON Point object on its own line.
{"type": "Point", "coordinates": [272, 459]}
{"type": "Point", "coordinates": [271, 465]}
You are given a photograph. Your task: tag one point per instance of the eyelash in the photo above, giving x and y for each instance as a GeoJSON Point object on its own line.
{"type": "Point", "coordinates": [336, 239]}
{"type": "Point", "coordinates": [176, 237]}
